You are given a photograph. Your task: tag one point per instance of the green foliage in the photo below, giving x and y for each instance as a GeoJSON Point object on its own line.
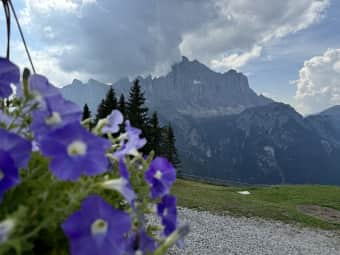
{"type": "Point", "coordinates": [41, 203]}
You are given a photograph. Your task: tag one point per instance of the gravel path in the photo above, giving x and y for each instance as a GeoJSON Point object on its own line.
{"type": "Point", "coordinates": [225, 235]}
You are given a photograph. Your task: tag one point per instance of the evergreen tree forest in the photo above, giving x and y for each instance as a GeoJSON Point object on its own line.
{"type": "Point", "coordinates": [86, 112]}
{"type": "Point", "coordinates": [161, 139]}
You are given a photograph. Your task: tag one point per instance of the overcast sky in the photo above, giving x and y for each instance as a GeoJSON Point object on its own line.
{"type": "Point", "coordinates": [289, 49]}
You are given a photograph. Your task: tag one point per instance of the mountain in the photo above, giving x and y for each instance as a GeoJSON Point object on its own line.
{"type": "Point", "coordinates": [89, 93]}
{"type": "Point", "coordinates": [333, 111]}
{"type": "Point", "coordinates": [327, 123]}
{"type": "Point", "coordinates": [270, 144]}
{"type": "Point", "coordinates": [226, 131]}
{"type": "Point", "coordinates": [190, 88]}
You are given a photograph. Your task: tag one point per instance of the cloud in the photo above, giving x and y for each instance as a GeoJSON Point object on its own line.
{"type": "Point", "coordinates": [236, 60]}
{"type": "Point", "coordinates": [47, 63]}
{"type": "Point", "coordinates": [318, 86]}
{"type": "Point", "coordinates": [110, 38]}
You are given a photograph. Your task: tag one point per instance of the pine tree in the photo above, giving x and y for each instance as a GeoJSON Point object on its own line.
{"type": "Point", "coordinates": [169, 149]}
{"type": "Point", "coordinates": [110, 101]}
{"type": "Point", "coordinates": [155, 134]}
{"type": "Point", "coordinates": [86, 112]}
{"type": "Point", "coordinates": [122, 105]}
{"type": "Point", "coordinates": [136, 111]}
{"type": "Point", "coordinates": [101, 111]}
{"type": "Point", "coordinates": [107, 105]}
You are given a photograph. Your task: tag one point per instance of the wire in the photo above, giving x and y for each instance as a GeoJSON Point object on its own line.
{"type": "Point", "coordinates": [8, 23]}
{"type": "Point", "coordinates": [22, 35]}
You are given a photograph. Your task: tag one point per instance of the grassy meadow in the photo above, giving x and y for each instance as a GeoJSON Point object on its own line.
{"type": "Point", "coordinates": [272, 202]}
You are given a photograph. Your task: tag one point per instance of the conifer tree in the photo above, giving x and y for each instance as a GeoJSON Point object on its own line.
{"type": "Point", "coordinates": [155, 134]}
{"type": "Point", "coordinates": [86, 112]}
{"type": "Point", "coordinates": [101, 111]}
{"type": "Point", "coordinates": [107, 105]}
{"type": "Point", "coordinates": [122, 105]}
{"type": "Point", "coordinates": [136, 111]}
{"type": "Point", "coordinates": [110, 101]}
{"type": "Point", "coordinates": [169, 149]}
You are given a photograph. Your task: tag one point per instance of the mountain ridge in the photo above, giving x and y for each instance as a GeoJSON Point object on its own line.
{"type": "Point", "coordinates": [190, 87]}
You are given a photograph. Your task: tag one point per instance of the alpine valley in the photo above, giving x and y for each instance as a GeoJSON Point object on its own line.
{"type": "Point", "coordinates": [225, 131]}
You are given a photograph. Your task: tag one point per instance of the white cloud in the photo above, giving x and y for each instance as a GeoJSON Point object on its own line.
{"type": "Point", "coordinates": [47, 63]}
{"type": "Point", "coordinates": [111, 38]}
{"type": "Point", "coordinates": [318, 86]}
{"type": "Point", "coordinates": [235, 61]}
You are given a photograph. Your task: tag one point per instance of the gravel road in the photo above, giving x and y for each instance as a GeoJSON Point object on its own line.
{"type": "Point", "coordinates": [225, 235]}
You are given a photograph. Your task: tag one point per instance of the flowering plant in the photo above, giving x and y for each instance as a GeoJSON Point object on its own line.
{"type": "Point", "coordinates": [64, 188]}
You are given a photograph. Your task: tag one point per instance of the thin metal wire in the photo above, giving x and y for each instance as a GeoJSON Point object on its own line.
{"type": "Point", "coordinates": [8, 25]}
{"type": "Point", "coordinates": [22, 36]}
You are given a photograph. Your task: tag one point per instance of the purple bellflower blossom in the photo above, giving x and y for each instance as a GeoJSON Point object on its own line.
{"type": "Point", "coordinates": [41, 89]}
{"type": "Point", "coordinates": [9, 175]}
{"type": "Point", "coordinates": [167, 211]}
{"type": "Point", "coordinates": [122, 184]}
{"type": "Point", "coordinates": [140, 243]}
{"type": "Point", "coordinates": [58, 112]}
{"type": "Point", "coordinates": [5, 120]}
{"type": "Point", "coordinates": [9, 74]}
{"type": "Point", "coordinates": [133, 143]}
{"type": "Point", "coordinates": [160, 176]}
{"type": "Point", "coordinates": [18, 148]}
{"type": "Point", "coordinates": [75, 151]}
{"type": "Point", "coordinates": [113, 122]}
{"type": "Point", "coordinates": [97, 228]}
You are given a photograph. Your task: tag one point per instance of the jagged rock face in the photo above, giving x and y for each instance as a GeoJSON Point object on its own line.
{"type": "Point", "coordinates": [193, 89]}
{"type": "Point", "coordinates": [190, 88]}
{"type": "Point", "coordinates": [269, 144]}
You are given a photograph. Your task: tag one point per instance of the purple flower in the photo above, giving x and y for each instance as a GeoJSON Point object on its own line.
{"type": "Point", "coordinates": [114, 120]}
{"type": "Point", "coordinates": [160, 176]}
{"type": "Point", "coordinates": [9, 175]}
{"type": "Point", "coordinates": [97, 228]}
{"type": "Point", "coordinates": [5, 120]}
{"type": "Point", "coordinates": [41, 89]}
{"type": "Point", "coordinates": [18, 148]}
{"type": "Point", "coordinates": [9, 73]}
{"type": "Point", "coordinates": [167, 211]}
{"type": "Point", "coordinates": [75, 151]}
{"type": "Point", "coordinates": [58, 113]}
{"type": "Point", "coordinates": [140, 243]}
{"type": "Point", "coordinates": [122, 184]}
{"type": "Point", "coordinates": [133, 144]}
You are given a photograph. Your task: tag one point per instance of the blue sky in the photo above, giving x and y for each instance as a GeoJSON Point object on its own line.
{"type": "Point", "coordinates": [274, 44]}
{"type": "Point", "coordinates": [287, 56]}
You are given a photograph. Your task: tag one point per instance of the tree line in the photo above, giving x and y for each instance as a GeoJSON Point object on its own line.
{"type": "Point", "coordinates": [161, 139]}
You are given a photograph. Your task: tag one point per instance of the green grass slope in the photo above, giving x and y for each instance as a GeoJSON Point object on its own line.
{"type": "Point", "coordinates": [274, 202]}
